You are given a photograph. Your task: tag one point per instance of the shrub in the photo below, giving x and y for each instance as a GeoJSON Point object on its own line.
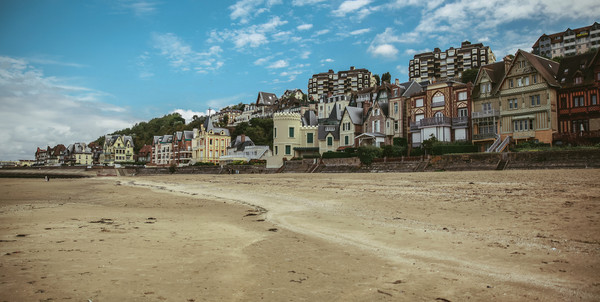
{"type": "Point", "coordinates": [400, 141]}
{"type": "Point", "coordinates": [308, 156]}
{"type": "Point", "coordinates": [204, 164]}
{"type": "Point", "coordinates": [448, 148]}
{"type": "Point", "coordinates": [392, 151]}
{"type": "Point", "coordinates": [330, 154]}
{"type": "Point", "coordinates": [366, 154]}
{"type": "Point", "coordinates": [172, 168]}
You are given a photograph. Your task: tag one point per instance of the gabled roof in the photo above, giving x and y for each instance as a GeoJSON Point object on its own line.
{"type": "Point", "coordinates": [310, 118]}
{"type": "Point", "coordinates": [266, 98]}
{"type": "Point", "coordinates": [208, 126]}
{"type": "Point", "coordinates": [239, 145]}
{"type": "Point", "coordinates": [546, 67]}
{"type": "Point", "coordinates": [166, 139]}
{"type": "Point", "coordinates": [411, 88]}
{"type": "Point", "coordinates": [335, 114]}
{"type": "Point", "coordinates": [578, 66]}
{"type": "Point", "coordinates": [325, 130]}
{"type": "Point", "coordinates": [494, 71]}
{"type": "Point", "coordinates": [355, 114]}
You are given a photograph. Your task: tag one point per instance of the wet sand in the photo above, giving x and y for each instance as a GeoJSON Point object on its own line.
{"type": "Point", "coordinates": [495, 235]}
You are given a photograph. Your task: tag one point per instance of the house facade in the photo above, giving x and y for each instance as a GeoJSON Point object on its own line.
{"type": "Point", "coordinates": [117, 149]}
{"type": "Point", "coordinates": [350, 127]}
{"type": "Point", "coordinates": [377, 126]}
{"type": "Point", "coordinates": [442, 110]}
{"type": "Point", "coordinates": [209, 143]}
{"type": "Point", "coordinates": [244, 149]}
{"type": "Point", "coordinates": [182, 147]}
{"type": "Point", "coordinates": [438, 66]}
{"type": "Point", "coordinates": [78, 154]}
{"type": "Point", "coordinates": [162, 150]}
{"type": "Point", "coordinates": [578, 104]}
{"type": "Point", "coordinates": [294, 135]}
{"type": "Point", "coordinates": [528, 99]}
{"type": "Point", "coordinates": [145, 154]}
{"type": "Point", "coordinates": [569, 42]}
{"type": "Point", "coordinates": [485, 104]}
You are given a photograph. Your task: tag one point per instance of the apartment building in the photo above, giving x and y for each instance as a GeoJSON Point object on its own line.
{"type": "Point", "coordinates": [569, 42]}
{"type": "Point", "coordinates": [323, 85]}
{"type": "Point", "coordinates": [438, 66]}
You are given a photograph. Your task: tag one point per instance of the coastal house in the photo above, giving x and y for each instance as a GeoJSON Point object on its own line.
{"type": "Point", "coordinates": [78, 154]}
{"type": "Point", "coordinates": [442, 111]}
{"type": "Point", "coordinates": [244, 149]}
{"type": "Point", "coordinates": [162, 150]}
{"type": "Point", "coordinates": [41, 155]}
{"type": "Point", "coordinates": [485, 105]}
{"type": "Point", "coordinates": [209, 143]}
{"type": "Point", "coordinates": [377, 125]}
{"type": "Point", "coordinates": [528, 94]}
{"type": "Point", "coordinates": [578, 105]}
{"type": "Point", "coordinates": [350, 127]}
{"type": "Point", "coordinates": [294, 135]}
{"type": "Point", "coordinates": [265, 104]}
{"type": "Point", "coordinates": [56, 155]}
{"type": "Point", "coordinates": [145, 154]}
{"type": "Point", "coordinates": [182, 147]}
{"type": "Point", "coordinates": [117, 149]}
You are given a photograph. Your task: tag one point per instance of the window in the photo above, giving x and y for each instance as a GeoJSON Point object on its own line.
{"type": "Point", "coordinates": [462, 112]}
{"type": "Point", "coordinates": [437, 100]}
{"type": "Point", "coordinates": [594, 99]}
{"type": "Point", "coordinates": [462, 96]}
{"type": "Point", "coordinates": [211, 141]}
{"type": "Point", "coordinates": [522, 125]}
{"type": "Point", "coordinates": [346, 140]}
{"type": "Point", "coordinates": [578, 101]}
{"type": "Point", "coordinates": [486, 106]}
{"type": "Point", "coordinates": [396, 126]}
{"type": "Point", "coordinates": [329, 141]}
{"type": "Point", "coordinates": [526, 80]}
{"type": "Point", "coordinates": [511, 84]}
{"type": "Point", "coordinates": [309, 138]}
{"type": "Point", "coordinates": [519, 82]}
{"type": "Point", "coordinates": [276, 150]}
{"type": "Point", "coordinates": [395, 108]}
{"type": "Point", "coordinates": [291, 132]}
{"type": "Point", "coordinates": [535, 100]}
{"type": "Point", "coordinates": [288, 150]}
{"type": "Point", "coordinates": [535, 79]}
{"type": "Point", "coordinates": [274, 132]}
{"type": "Point", "coordinates": [578, 80]}
{"type": "Point", "coordinates": [419, 103]}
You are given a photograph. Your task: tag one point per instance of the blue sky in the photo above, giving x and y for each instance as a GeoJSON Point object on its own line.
{"type": "Point", "coordinates": [71, 71]}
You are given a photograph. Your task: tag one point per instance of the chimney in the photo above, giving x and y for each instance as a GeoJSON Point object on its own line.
{"type": "Point", "coordinates": [243, 138]}
{"type": "Point", "coordinates": [366, 105]}
{"type": "Point", "coordinates": [351, 67]}
{"type": "Point", "coordinates": [397, 82]}
{"type": "Point", "coordinates": [507, 61]}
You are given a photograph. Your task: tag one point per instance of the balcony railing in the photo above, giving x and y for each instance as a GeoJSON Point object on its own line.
{"type": "Point", "coordinates": [436, 121]}
{"type": "Point", "coordinates": [486, 113]}
{"type": "Point", "coordinates": [484, 136]}
{"type": "Point", "coordinates": [461, 121]}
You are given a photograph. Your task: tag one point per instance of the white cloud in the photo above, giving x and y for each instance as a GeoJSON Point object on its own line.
{"type": "Point", "coordinates": [139, 8]}
{"type": "Point", "coordinates": [279, 64]}
{"type": "Point", "coordinates": [384, 50]}
{"type": "Point", "coordinates": [37, 111]}
{"type": "Point", "coordinates": [350, 6]}
{"type": "Point", "coordinates": [246, 9]}
{"type": "Point", "coordinates": [262, 61]}
{"type": "Point", "coordinates": [188, 115]}
{"type": "Point", "coordinates": [321, 32]}
{"type": "Point", "coordinates": [306, 2]}
{"type": "Point", "coordinates": [305, 54]}
{"type": "Point", "coordinates": [304, 26]}
{"type": "Point", "coordinates": [328, 60]}
{"type": "Point", "coordinates": [360, 31]}
{"type": "Point", "coordinates": [250, 36]}
{"type": "Point", "coordinates": [183, 57]}
{"type": "Point", "coordinates": [412, 52]}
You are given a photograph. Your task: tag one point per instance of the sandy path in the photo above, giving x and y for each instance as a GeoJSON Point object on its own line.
{"type": "Point", "coordinates": [513, 230]}
{"type": "Point", "coordinates": [507, 235]}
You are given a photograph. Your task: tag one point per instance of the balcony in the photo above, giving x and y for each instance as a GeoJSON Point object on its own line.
{"type": "Point", "coordinates": [414, 126]}
{"type": "Point", "coordinates": [486, 113]}
{"type": "Point", "coordinates": [484, 136]}
{"type": "Point", "coordinates": [435, 121]}
{"type": "Point", "coordinates": [460, 122]}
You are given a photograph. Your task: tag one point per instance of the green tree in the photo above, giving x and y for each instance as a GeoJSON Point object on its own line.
{"type": "Point", "coordinates": [469, 75]}
{"type": "Point", "coordinates": [377, 79]}
{"type": "Point", "coordinates": [386, 78]}
{"type": "Point", "coordinates": [428, 144]}
{"type": "Point", "coordinates": [366, 154]}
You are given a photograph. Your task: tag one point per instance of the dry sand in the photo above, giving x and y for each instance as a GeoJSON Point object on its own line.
{"type": "Point", "coordinates": [479, 236]}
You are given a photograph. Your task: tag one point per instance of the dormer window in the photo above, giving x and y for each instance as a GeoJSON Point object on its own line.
{"type": "Point", "coordinates": [578, 80]}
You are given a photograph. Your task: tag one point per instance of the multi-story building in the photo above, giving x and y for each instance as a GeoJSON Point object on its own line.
{"type": "Point", "coordinates": [294, 135]}
{"type": "Point", "coordinates": [182, 147]}
{"type": "Point", "coordinates": [442, 110]}
{"type": "Point", "coordinates": [485, 105]}
{"type": "Point", "coordinates": [78, 154]}
{"type": "Point", "coordinates": [351, 126]}
{"type": "Point", "coordinates": [209, 143]}
{"type": "Point", "coordinates": [578, 106]}
{"type": "Point", "coordinates": [568, 42]}
{"type": "Point", "coordinates": [527, 97]}
{"type": "Point", "coordinates": [326, 105]}
{"type": "Point", "coordinates": [41, 155]}
{"type": "Point", "coordinates": [438, 66]}
{"type": "Point", "coordinates": [162, 150]}
{"type": "Point", "coordinates": [323, 85]}
{"type": "Point", "coordinates": [117, 149]}
{"type": "Point", "coordinates": [145, 154]}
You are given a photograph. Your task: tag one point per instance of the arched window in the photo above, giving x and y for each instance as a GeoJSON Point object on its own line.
{"type": "Point", "coordinates": [438, 100]}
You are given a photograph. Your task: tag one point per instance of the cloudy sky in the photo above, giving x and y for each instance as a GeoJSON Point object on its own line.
{"type": "Point", "coordinates": [71, 71]}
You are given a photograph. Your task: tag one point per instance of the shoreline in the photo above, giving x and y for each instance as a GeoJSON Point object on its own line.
{"type": "Point", "coordinates": [486, 236]}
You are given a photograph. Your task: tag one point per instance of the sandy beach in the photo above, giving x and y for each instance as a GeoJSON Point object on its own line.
{"type": "Point", "coordinates": [445, 236]}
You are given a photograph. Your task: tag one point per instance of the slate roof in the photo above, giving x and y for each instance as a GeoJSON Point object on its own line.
{"type": "Point", "coordinates": [577, 66]}
{"type": "Point", "coordinates": [310, 118]}
{"type": "Point", "coordinates": [494, 71]}
{"type": "Point", "coordinates": [412, 87]}
{"type": "Point", "coordinates": [323, 131]}
{"type": "Point", "coordinates": [266, 99]}
{"type": "Point", "coordinates": [239, 145]}
{"type": "Point", "coordinates": [208, 126]}
{"type": "Point", "coordinates": [546, 67]}
{"type": "Point", "coordinates": [166, 139]}
{"type": "Point", "coordinates": [355, 114]}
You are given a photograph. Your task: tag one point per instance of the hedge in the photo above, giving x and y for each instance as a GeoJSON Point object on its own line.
{"type": "Point", "coordinates": [331, 154]}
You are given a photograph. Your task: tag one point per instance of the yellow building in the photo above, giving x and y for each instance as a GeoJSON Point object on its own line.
{"type": "Point", "coordinates": [117, 149]}
{"type": "Point", "coordinates": [294, 135]}
{"type": "Point", "coordinates": [209, 143]}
